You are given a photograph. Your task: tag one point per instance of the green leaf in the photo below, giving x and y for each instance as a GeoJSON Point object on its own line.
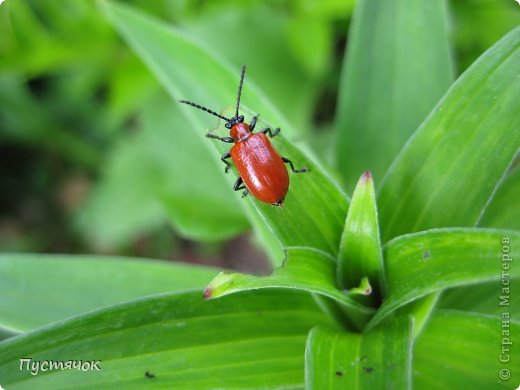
{"type": "Point", "coordinates": [462, 350]}
{"type": "Point", "coordinates": [256, 340]}
{"type": "Point", "coordinates": [304, 269]}
{"type": "Point", "coordinates": [503, 211]}
{"type": "Point", "coordinates": [427, 262]}
{"type": "Point", "coordinates": [486, 298]}
{"type": "Point", "coordinates": [7, 333]}
{"type": "Point", "coordinates": [39, 289]}
{"type": "Point", "coordinates": [360, 249]}
{"type": "Point", "coordinates": [420, 311]}
{"type": "Point", "coordinates": [315, 208]}
{"type": "Point", "coordinates": [448, 171]}
{"type": "Point", "coordinates": [389, 81]}
{"type": "Point", "coordinates": [377, 359]}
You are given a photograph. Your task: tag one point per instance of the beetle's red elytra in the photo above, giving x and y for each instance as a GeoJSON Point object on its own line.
{"type": "Point", "coordinates": [262, 171]}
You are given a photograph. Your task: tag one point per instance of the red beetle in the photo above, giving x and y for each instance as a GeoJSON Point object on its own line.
{"type": "Point", "coordinates": [262, 170]}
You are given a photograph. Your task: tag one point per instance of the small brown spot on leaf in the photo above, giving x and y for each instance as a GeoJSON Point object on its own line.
{"type": "Point", "coordinates": [368, 369]}
{"type": "Point", "coordinates": [339, 373]}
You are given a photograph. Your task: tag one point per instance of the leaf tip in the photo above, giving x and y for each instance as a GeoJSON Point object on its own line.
{"type": "Point", "coordinates": [220, 285]}
{"type": "Point", "coordinates": [208, 291]}
{"type": "Point", "coordinates": [366, 177]}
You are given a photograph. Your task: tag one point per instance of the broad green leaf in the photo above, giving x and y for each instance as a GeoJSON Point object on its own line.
{"type": "Point", "coordinates": [504, 211]}
{"type": "Point", "coordinates": [377, 359]}
{"type": "Point", "coordinates": [486, 298]}
{"type": "Point", "coordinates": [153, 165]}
{"type": "Point", "coordinates": [39, 289]}
{"type": "Point", "coordinates": [448, 171]}
{"type": "Point", "coordinates": [360, 252]}
{"type": "Point", "coordinates": [420, 311]}
{"type": "Point", "coordinates": [7, 333]}
{"type": "Point", "coordinates": [315, 208]}
{"type": "Point", "coordinates": [462, 350]}
{"type": "Point", "coordinates": [389, 81]}
{"type": "Point", "coordinates": [304, 269]}
{"type": "Point", "coordinates": [427, 262]}
{"type": "Point", "coordinates": [342, 316]}
{"type": "Point", "coordinates": [253, 341]}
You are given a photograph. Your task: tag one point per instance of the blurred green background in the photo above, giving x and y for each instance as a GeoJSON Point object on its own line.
{"type": "Point", "coordinates": [87, 161]}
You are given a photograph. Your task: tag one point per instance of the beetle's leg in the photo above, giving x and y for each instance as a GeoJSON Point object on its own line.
{"type": "Point", "coordinates": [271, 133]}
{"type": "Point", "coordinates": [301, 170]}
{"type": "Point", "coordinates": [239, 185]}
{"type": "Point", "coordinates": [228, 140]}
{"type": "Point", "coordinates": [253, 123]}
{"type": "Point", "coordinates": [245, 193]}
{"type": "Point", "coordinates": [223, 158]}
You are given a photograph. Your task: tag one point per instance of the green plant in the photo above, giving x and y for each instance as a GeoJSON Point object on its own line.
{"type": "Point", "coordinates": [371, 293]}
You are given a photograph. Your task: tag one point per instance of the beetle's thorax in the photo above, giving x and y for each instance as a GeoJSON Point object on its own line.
{"type": "Point", "coordinates": [240, 131]}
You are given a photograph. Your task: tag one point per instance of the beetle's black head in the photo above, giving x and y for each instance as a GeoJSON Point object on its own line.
{"type": "Point", "coordinates": [233, 121]}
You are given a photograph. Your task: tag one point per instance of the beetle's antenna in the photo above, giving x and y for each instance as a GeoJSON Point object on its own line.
{"type": "Point", "coordinates": [204, 109]}
{"type": "Point", "coordinates": [240, 88]}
